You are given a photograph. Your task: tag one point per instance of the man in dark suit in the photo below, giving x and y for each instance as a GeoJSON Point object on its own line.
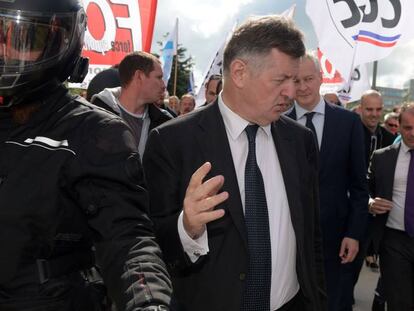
{"type": "Point", "coordinates": [240, 231]}
{"type": "Point", "coordinates": [342, 174]}
{"type": "Point", "coordinates": [391, 184]}
{"type": "Point", "coordinates": [375, 137]}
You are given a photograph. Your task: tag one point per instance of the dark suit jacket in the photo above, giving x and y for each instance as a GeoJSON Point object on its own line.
{"type": "Point", "coordinates": [381, 183]}
{"type": "Point", "coordinates": [342, 179]}
{"type": "Point", "coordinates": [216, 281]}
{"type": "Point", "coordinates": [384, 139]}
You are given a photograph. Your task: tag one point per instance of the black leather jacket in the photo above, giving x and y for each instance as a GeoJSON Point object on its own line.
{"type": "Point", "coordinates": [70, 178]}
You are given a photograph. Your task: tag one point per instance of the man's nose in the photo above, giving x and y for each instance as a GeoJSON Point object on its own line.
{"type": "Point", "coordinates": [290, 89]}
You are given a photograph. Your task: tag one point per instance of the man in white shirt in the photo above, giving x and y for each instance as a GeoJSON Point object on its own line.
{"type": "Point", "coordinates": [391, 182]}
{"type": "Point", "coordinates": [342, 179]}
{"type": "Point", "coordinates": [233, 186]}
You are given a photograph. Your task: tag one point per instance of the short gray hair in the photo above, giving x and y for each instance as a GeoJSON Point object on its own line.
{"type": "Point", "coordinates": [313, 56]}
{"type": "Point", "coordinates": [406, 107]}
{"type": "Point", "coordinates": [258, 36]}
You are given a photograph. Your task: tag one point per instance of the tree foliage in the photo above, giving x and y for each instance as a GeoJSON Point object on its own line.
{"type": "Point", "coordinates": [184, 69]}
{"type": "Point", "coordinates": [184, 66]}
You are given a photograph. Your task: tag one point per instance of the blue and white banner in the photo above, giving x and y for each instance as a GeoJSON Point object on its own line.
{"type": "Point", "coordinates": [355, 32]}
{"type": "Point", "coordinates": [169, 50]}
{"type": "Point", "coordinates": [191, 84]}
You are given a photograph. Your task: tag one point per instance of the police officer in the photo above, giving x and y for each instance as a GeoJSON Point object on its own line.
{"type": "Point", "coordinates": [70, 178]}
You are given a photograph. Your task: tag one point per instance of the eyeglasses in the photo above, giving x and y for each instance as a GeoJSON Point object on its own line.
{"type": "Point", "coordinates": [392, 124]}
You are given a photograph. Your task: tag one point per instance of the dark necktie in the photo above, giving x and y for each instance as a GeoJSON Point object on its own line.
{"type": "Point", "coordinates": [309, 125]}
{"type": "Point", "coordinates": [409, 199]}
{"type": "Point", "coordinates": [256, 295]}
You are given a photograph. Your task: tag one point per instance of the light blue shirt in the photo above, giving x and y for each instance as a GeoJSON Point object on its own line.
{"type": "Point", "coordinates": [318, 118]}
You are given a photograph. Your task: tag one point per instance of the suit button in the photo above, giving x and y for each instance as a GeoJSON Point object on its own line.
{"type": "Point", "coordinates": [242, 276]}
{"type": "Point", "coordinates": [91, 209]}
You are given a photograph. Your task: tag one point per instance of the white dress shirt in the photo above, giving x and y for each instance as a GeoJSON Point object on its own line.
{"type": "Point", "coordinates": [285, 284]}
{"type": "Point", "coordinates": [318, 118]}
{"type": "Point", "coordinates": [396, 215]}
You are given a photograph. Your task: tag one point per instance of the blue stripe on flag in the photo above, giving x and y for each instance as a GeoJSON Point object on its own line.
{"type": "Point", "coordinates": [376, 36]}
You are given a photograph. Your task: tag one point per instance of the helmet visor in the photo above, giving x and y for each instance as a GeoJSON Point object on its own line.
{"type": "Point", "coordinates": [28, 40]}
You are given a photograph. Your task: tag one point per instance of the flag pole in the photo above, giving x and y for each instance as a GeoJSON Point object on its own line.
{"type": "Point", "coordinates": [175, 74]}
{"type": "Point", "coordinates": [374, 75]}
{"type": "Point", "coordinates": [176, 64]}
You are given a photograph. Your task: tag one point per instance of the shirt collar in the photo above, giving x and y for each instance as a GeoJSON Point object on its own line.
{"type": "Point", "coordinates": [235, 124]}
{"type": "Point", "coordinates": [135, 115]}
{"type": "Point", "coordinates": [404, 147]}
{"type": "Point", "coordinates": [319, 109]}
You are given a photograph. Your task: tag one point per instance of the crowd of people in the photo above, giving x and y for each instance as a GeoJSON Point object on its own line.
{"type": "Point", "coordinates": [267, 197]}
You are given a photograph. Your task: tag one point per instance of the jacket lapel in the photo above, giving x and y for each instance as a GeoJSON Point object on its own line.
{"type": "Point", "coordinates": [212, 140]}
{"type": "Point", "coordinates": [286, 152]}
{"type": "Point", "coordinates": [389, 167]}
{"type": "Point", "coordinates": [328, 133]}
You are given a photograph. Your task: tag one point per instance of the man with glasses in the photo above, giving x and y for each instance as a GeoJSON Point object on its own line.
{"type": "Point", "coordinates": [391, 122]}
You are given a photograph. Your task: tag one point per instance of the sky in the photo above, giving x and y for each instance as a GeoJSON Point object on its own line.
{"type": "Point", "coordinates": [203, 25]}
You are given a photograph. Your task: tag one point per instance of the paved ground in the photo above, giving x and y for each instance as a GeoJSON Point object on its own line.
{"type": "Point", "coordinates": [364, 291]}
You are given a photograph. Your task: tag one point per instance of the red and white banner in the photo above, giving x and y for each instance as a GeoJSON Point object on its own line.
{"type": "Point", "coordinates": [352, 32]}
{"type": "Point", "coordinates": [115, 29]}
{"type": "Point", "coordinates": [333, 82]}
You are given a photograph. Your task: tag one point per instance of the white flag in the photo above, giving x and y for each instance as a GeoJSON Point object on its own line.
{"type": "Point", "coordinates": [191, 84]}
{"type": "Point", "coordinates": [359, 83]}
{"type": "Point", "coordinates": [215, 68]}
{"type": "Point", "coordinates": [332, 81]}
{"type": "Point", "coordinates": [289, 13]}
{"type": "Point", "coordinates": [168, 51]}
{"type": "Point", "coordinates": [352, 32]}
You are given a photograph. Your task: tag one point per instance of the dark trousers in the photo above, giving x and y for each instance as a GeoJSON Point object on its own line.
{"type": "Point", "coordinates": [333, 289]}
{"type": "Point", "coordinates": [397, 269]}
{"type": "Point", "coordinates": [295, 304]}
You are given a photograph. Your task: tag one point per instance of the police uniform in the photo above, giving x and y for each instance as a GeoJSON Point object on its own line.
{"type": "Point", "coordinates": [71, 182]}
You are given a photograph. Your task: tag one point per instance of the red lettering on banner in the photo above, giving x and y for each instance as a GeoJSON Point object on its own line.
{"type": "Point", "coordinates": [117, 28]}
{"type": "Point", "coordinates": [329, 73]}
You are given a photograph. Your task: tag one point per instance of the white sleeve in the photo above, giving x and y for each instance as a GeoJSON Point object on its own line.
{"type": "Point", "coordinates": [194, 248]}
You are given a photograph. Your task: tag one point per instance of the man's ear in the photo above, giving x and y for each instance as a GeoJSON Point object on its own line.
{"type": "Point", "coordinates": [238, 72]}
{"type": "Point", "coordinates": [138, 76]}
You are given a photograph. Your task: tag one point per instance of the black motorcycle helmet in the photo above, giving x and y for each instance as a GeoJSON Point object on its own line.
{"type": "Point", "coordinates": [40, 44]}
